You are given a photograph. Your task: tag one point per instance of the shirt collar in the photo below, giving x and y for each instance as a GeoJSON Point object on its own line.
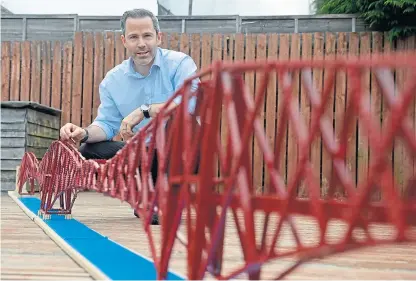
{"type": "Point", "coordinates": [156, 62]}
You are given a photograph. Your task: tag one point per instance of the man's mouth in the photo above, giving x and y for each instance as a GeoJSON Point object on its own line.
{"type": "Point", "coordinates": [144, 53]}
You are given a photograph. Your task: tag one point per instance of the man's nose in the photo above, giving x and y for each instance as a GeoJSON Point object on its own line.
{"type": "Point", "coordinates": [140, 42]}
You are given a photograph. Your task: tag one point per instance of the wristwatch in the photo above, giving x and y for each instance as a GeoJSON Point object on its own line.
{"type": "Point", "coordinates": [145, 109]}
{"type": "Point", "coordinates": [84, 139]}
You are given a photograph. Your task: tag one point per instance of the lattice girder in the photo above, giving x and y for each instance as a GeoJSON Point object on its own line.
{"type": "Point", "coordinates": [205, 176]}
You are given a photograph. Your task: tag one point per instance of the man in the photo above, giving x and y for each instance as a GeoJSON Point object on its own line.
{"type": "Point", "coordinates": [134, 91]}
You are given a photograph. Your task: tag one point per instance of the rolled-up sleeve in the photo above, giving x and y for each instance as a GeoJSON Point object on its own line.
{"type": "Point", "coordinates": [186, 69]}
{"type": "Point", "coordinates": [108, 117]}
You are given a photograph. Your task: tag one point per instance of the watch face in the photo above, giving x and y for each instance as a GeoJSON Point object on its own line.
{"type": "Point", "coordinates": [144, 107]}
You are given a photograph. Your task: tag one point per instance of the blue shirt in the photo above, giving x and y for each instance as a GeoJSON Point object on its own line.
{"type": "Point", "coordinates": [123, 90]}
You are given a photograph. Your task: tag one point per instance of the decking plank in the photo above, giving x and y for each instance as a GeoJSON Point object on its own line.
{"type": "Point", "coordinates": [28, 253]}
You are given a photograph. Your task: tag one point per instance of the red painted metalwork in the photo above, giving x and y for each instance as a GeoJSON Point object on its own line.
{"type": "Point", "coordinates": [179, 141]}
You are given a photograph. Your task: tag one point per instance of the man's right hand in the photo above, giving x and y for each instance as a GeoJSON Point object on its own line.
{"type": "Point", "coordinates": [71, 131]}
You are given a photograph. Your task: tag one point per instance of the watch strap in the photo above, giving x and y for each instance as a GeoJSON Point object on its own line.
{"type": "Point", "coordinates": [84, 139]}
{"type": "Point", "coordinates": [146, 113]}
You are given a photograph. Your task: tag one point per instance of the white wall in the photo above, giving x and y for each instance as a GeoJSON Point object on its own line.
{"type": "Point", "coordinates": [239, 7]}
{"type": "Point", "coordinates": [80, 7]}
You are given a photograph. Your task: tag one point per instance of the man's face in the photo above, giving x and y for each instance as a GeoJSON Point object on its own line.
{"type": "Point", "coordinates": [141, 40]}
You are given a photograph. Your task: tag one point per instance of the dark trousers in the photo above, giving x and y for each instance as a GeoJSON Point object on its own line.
{"type": "Point", "coordinates": [108, 149]}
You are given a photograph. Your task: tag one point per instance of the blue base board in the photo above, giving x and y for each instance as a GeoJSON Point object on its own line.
{"type": "Point", "coordinates": [115, 261]}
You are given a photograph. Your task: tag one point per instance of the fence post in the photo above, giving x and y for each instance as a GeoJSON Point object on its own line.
{"type": "Point", "coordinates": [238, 24]}
{"type": "Point", "coordinates": [353, 24]}
{"type": "Point", "coordinates": [24, 29]}
{"type": "Point", "coordinates": [183, 26]}
{"type": "Point", "coordinates": [296, 25]}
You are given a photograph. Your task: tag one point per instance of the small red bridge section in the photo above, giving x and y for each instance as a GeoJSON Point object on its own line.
{"type": "Point", "coordinates": [204, 175]}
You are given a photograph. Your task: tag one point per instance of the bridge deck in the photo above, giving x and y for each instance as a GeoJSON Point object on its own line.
{"type": "Point", "coordinates": [115, 219]}
{"type": "Point", "coordinates": [28, 253]}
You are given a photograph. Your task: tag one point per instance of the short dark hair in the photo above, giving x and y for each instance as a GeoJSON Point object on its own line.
{"type": "Point", "coordinates": [137, 14]}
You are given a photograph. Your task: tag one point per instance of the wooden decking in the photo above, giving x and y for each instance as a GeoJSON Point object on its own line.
{"type": "Point", "coordinates": [115, 219]}
{"type": "Point", "coordinates": [28, 253]}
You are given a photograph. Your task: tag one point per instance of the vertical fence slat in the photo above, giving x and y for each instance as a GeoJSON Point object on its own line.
{"type": "Point", "coordinates": [271, 108]}
{"type": "Point", "coordinates": [98, 70]}
{"type": "Point", "coordinates": [5, 71]}
{"type": "Point", "coordinates": [57, 71]}
{"type": "Point", "coordinates": [399, 165]}
{"type": "Point", "coordinates": [35, 72]}
{"type": "Point", "coordinates": [376, 95]}
{"type": "Point", "coordinates": [284, 54]}
{"type": "Point", "coordinates": [330, 42]}
{"type": "Point", "coordinates": [206, 53]}
{"type": "Point", "coordinates": [87, 88]}
{"type": "Point", "coordinates": [387, 48]}
{"type": "Point", "coordinates": [228, 55]}
{"type": "Point", "coordinates": [109, 51]}
{"type": "Point", "coordinates": [305, 105]}
{"type": "Point", "coordinates": [184, 43]}
{"type": "Point", "coordinates": [318, 73]}
{"type": "Point", "coordinates": [217, 55]}
{"type": "Point", "coordinates": [196, 49]}
{"type": "Point", "coordinates": [76, 100]}
{"type": "Point", "coordinates": [67, 83]}
{"type": "Point", "coordinates": [351, 144]}
{"type": "Point", "coordinates": [120, 50]}
{"type": "Point", "coordinates": [257, 153]}
{"type": "Point", "coordinates": [412, 46]}
{"type": "Point", "coordinates": [174, 41]}
{"type": "Point", "coordinates": [25, 72]}
{"type": "Point", "coordinates": [45, 92]}
{"type": "Point", "coordinates": [292, 153]}
{"type": "Point", "coordinates": [340, 88]}
{"type": "Point", "coordinates": [164, 40]}
{"type": "Point", "coordinates": [408, 158]}
{"type": "Point", "coordinates": [15, 71]}
{"type": "Point", "coordinates": [362, 156]}
{"type": "Point", "coordinates": [250, 55]}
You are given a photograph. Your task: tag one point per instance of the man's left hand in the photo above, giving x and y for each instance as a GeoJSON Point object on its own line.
{"type": "Point", "coordinates": [128, 123]}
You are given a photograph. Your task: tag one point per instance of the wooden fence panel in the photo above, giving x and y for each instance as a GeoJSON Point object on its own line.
{"type": "Point", "coordinates": [67, 75]}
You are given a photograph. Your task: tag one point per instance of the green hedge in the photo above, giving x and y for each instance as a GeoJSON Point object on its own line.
{"type": "Point", "coordinates": [398, 17]}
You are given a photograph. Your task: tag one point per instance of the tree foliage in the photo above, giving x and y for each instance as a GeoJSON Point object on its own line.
{"type": "Point", "coordinates": [396, 16]}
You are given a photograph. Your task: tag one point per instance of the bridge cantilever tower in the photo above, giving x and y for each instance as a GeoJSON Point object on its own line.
{"type": "Point", "coordinates": [190, 190]}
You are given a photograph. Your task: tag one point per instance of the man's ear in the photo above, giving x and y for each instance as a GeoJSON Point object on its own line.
{"type": "Point", "coordinates": [123, 39]}
{"type": "Point", "coordinates": [159, 38]}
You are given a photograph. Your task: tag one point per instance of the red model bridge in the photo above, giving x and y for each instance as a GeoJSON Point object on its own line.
{"type": "Point", "coordinates": [186, 142]}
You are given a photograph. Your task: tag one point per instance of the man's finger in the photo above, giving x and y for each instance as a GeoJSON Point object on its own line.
{"type": "Point", "coordinates": [76, 133]}
{"type": "Point", "coordinates": [128, 129]}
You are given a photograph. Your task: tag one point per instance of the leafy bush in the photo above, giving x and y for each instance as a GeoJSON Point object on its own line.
{"type": "Point", "coordinates": [396, 16]}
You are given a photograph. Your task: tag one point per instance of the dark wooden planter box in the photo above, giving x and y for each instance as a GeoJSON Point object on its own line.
{"type": "Point", "coordinates": [25, 126]}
